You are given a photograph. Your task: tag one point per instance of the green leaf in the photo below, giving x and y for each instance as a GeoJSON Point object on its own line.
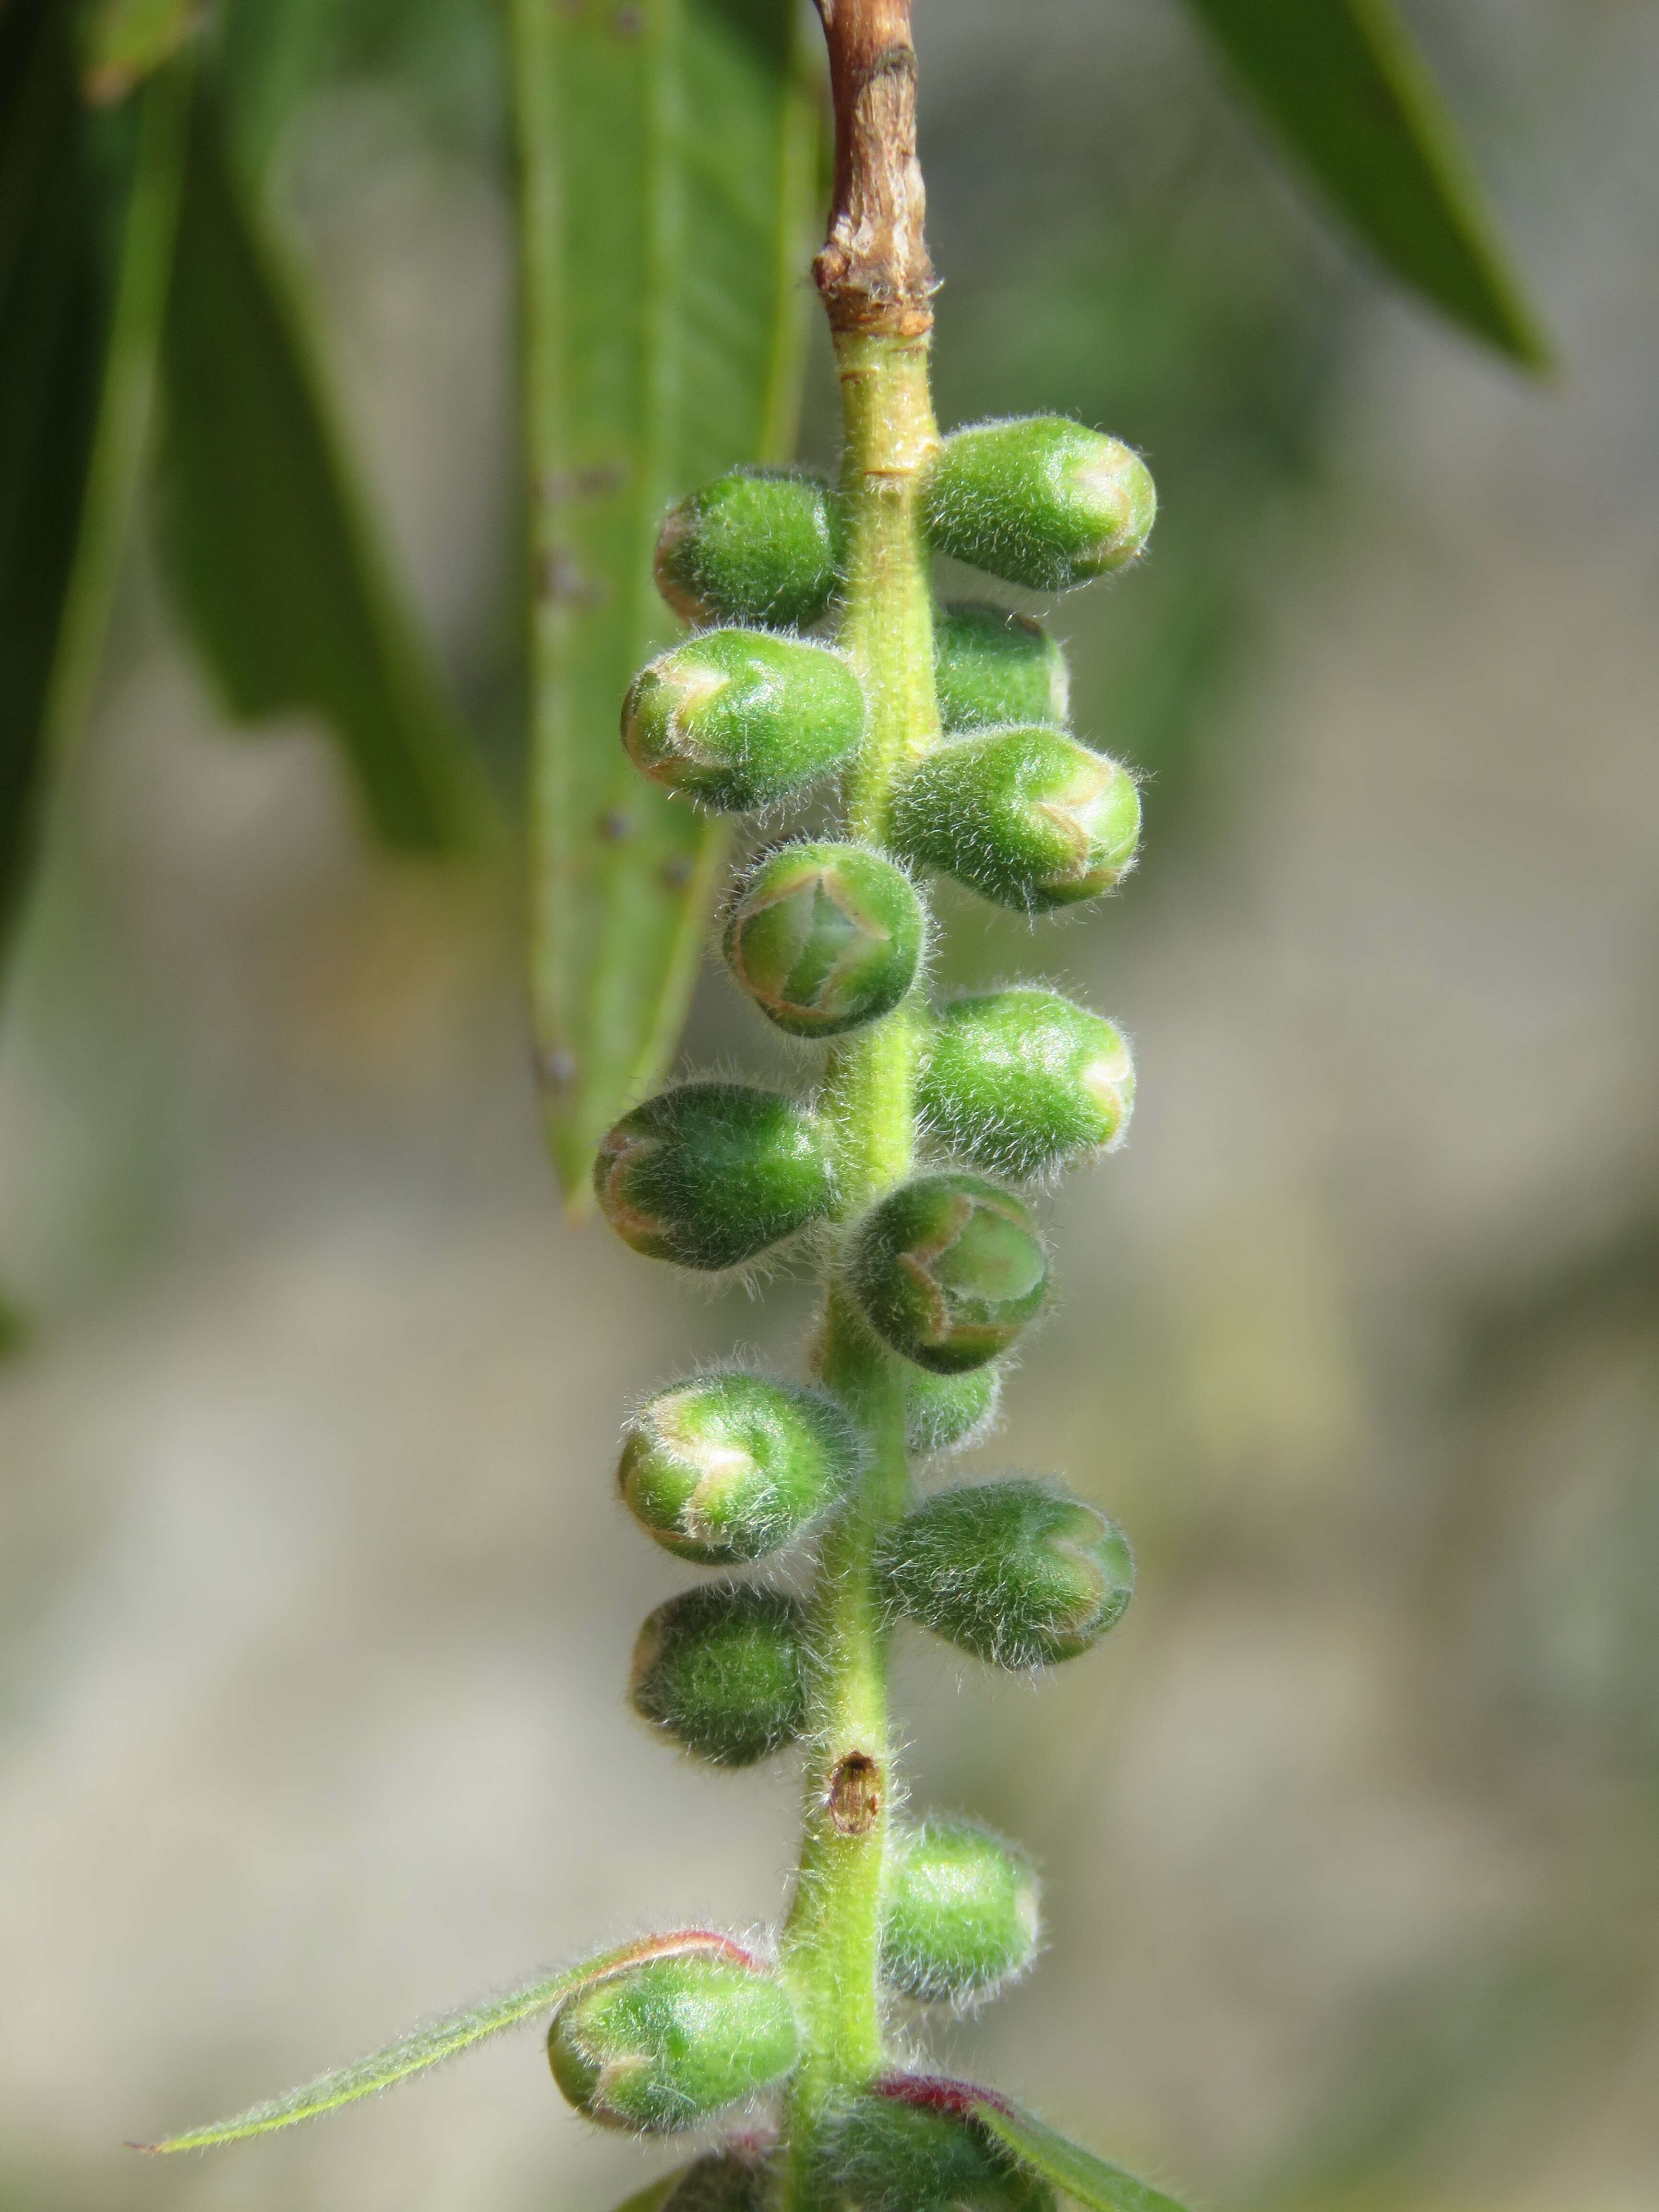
{"type": "Point", "coordinates": [122, 41]}
{"type": "Point", "coordinates": [654, 2195]}
{"type": "Point", "coordinates": [277, 564]}
{"type": "Point", "coordinates": [1076, 2172]}
{"type": "Point", "coordinates": [1351, 95]}
{"type": "Point", "coordinates": [667, 164]}
{"type": "Point", "coordinates": [429, 2046]}
{"type": "Point", "coordinates": [126, 407]}
{"type": "Point", "coordinates": [87, 207]}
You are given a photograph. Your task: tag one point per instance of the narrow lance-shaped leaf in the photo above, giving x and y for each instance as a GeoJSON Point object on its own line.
{"type": "Point", "coordinates": [1351, 95]}
{"type": "Point", "coordinates": [438, 2039]}
{"type": "Point", "coordinates": [1076, 2172]}
{"type": "Point", "coordinates": [1031, 2144]}
{"type": "Point", "coordinates": [666, 156]}
{"type": "Point", "coordinates": [273, 556]}
{"type": "Point", "coordinates": [149, 229]}
{"type": "Point", "coordinates": [87, 206]}
{"type": "Point", "coordinates": [654, 2195]}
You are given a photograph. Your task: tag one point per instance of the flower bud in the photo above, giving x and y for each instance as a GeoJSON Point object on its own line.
{"type": "Point", "coordinates": [961, 1913]}
{"type": "Point", "coordinates": [1029, 818]}
{"type": "Point", "coordinates": [722, 1670]}
{"type": "Point", "coordinates": [882, 2155]}
{"type": "Point", "coordinates": [711, 1175]}
{"type": "Point", "coordinates": [947, 1413]}
{"type": "Point", "coordinates": [662, 2045]}
{"type": "Point", "coordinates": [825, 938]}
{"type": "Point", "coordinates": [1040, 502]}
{"type": "Point", "coordinates": [994, 667]}
{"type": "Point", "coordinates": [1023, 1082]}
{"type": "Point", "coordinates": [1019, 1573]}
{"type": "Point", "coordinates": [948, 1269]}
{"type": "Point", "coordinates": [728, 1466]}
{"type": "Point", "coordinates": [755, 545]}
{"type": "Point", "coordinates": [740, 719]}
{"type": "Point", "coordinates": [738, 2176]}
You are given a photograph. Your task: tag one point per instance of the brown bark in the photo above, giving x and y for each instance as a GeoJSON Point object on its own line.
{"type": "Point", "coordinates": [874, 272]}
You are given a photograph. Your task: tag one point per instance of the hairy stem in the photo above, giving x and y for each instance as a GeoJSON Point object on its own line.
{"type": "Point", "coordinates": [876, 281]}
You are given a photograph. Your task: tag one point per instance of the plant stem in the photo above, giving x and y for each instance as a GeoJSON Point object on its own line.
{"type": "Point", "coordinates": [875, 279]}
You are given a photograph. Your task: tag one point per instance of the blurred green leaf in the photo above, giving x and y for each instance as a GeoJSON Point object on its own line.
{"type": "Point", "coordinates": [1351, 95]}
{"type": "Point", "coordinates": [667, 160]}
{"type": "Point", "coordinates": [1076, 2172]}
{"type": "Point", "coordinates": [149, 205]}
{"type": "Point", "coordinates": [122, 41]}
{"type": "Point", "coordinates": [444, 56]}
{"type": "Point", "coordinates": [87, 207]}
{"type": "Point", "coordinates": [276, 561]}
{"type": "Point", "coordinates": [431, 2043]}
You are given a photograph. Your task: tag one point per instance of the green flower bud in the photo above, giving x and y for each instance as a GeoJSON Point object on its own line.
{"type": "Point", "coordinates": [712, 1174]}
{"type": "Point", "coordinates": [1039, 502]}
{"type": "Point", "coordinates": [728, 1466]}
{"type": "Point", "coordinates": [993, 667]}
{"type": "Point", "coordinates": [825, 938]}
{"type": "Point", "coordinates": [1029, 818]}
{"type": "Point", "coordinates": [1019, 1573]}
{"type": "Point", "coordinates": [947, 1413]}
{"type": "Point", "coordinates": [662, 2045]}
{"type": "Point", "coordinates": [948, 1269]}
{"type": "Point", "coordinates": [740, 719]}
{"type": "Point", "coordinates": [738, 2176]}
{"type": "Point", "coordinates": [961, 1913]}
{"type": "Point", "coordinates": [1023, 1082]}
{"type": "Point", "coordinates": [885, 2155]}
{"type": "Point", "coordinates": [755, 545]}
{"type": "Point", "coordinates": [722, 1670]}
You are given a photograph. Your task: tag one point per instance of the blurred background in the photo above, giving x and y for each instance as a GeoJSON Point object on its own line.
{"type": "Point", "coordinates": [315, 1603]}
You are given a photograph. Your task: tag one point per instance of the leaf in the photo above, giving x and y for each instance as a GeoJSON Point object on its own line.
{"type": "Point", "coordinates": [429, 2046]}
{"type": "Point", "coordinates": [666, 165]}
{"type": "Point", "coordinates": [1073, 2171]}
{"type": "Point", "coordinates": [1351, 95]}
{"type": "Point", "coordinates": [122, 41]}
{"type": "Point", "coordinates": [654, 2195]}
{"type": "Point", "coordinates": [1031, 2144]}
{"type": "Point", "coordinates": [85, 218]}
{"type": "Point", "coordinates": [126, 406]}
{"type": "Point", "coordinates": [271, 549]}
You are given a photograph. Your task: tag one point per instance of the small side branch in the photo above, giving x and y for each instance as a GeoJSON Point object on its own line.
{"type": "Point", "coordinates": [873, 272]}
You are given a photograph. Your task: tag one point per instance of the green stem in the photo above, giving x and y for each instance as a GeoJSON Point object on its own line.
{"type": "Point", "coordinates": [832, 1940]}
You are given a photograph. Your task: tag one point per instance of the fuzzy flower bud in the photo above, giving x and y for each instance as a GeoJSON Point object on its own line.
{"type": "Point", "coordinates": [755, 545]}
{"type": "Point", "coordinates": [725, 1468]}
{"type": "Point", "coordinates": [740, 719]}
{"type": "Point", "coordinates": [947, 1413]}
{"type": "Point", "coordinates": [1023, 1082]}
{"type": "Point", "coordinates": [1021, 1574]}
{"type": "Point", "coordinates": [1029, 818]}
{"type": "Point", "coordinates": [661, 2046]}
{"type": "Point", "coordinates": [722, 1670]}
{"type": "Point", "coordinates": [712, 1174]}
{"type": "Point", "coordinates": [948, 1269]}
{"type": "Point", "coordinates": [993, 667]}
{"type": "Point", "coordinates": [881, 2154]}
{"type": "Point", "coordinates": [961, 1913]}
{"type": "Point", "coordinates": [825, 938]}
{"type": "Point", "coordinates": [1040, 502]}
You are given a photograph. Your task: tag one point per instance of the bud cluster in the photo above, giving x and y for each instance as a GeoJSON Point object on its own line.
{"type": "Point", "coordinates": [937, 1274]}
